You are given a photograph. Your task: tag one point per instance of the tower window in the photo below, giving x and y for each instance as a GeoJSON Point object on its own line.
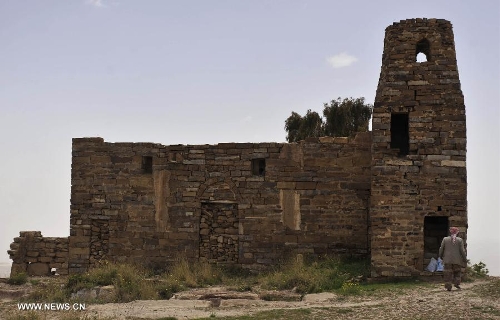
{"type": "Point", "coordinates": [423, 51]}
{"type": "Point", "coordinates": [400, 137]}
{"type": "Point", "coordinates": [258, 167]}
{"type": "Point", "coordinates": [147, 164]}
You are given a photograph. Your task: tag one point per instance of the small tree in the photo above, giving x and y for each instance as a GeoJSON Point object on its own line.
{"type": "Point", "coordinates": [342, 118]}
{"type": "Point", "coordinates": [346, 117]}
{"type": "Point", "coordinates": [299, 128]}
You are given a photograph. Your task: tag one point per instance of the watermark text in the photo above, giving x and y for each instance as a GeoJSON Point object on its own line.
{"type": "Point", "coordinates": [51, 306]}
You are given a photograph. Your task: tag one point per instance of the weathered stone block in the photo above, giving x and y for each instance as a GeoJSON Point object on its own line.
{"type": "Point", "coordinates": [418, 83]}
{"type": "Point", "coordinates": [452, 163]}
{"type": "Point", "coordinates": [38, 269]}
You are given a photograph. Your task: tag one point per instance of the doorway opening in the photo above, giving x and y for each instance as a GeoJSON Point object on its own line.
{"type": "Point", "coordinates": [435, 229]}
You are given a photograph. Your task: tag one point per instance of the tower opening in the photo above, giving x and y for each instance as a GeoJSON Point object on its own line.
{"type": "Point", "coordinates": [400, 137]}
{"type": "Point", "coordinates": [147, 164]}
{"type": "Point", "coordinates": [423, 51]}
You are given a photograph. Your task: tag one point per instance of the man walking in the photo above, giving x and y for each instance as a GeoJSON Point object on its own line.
{"type": "Point", "coordinates": [452, 253]}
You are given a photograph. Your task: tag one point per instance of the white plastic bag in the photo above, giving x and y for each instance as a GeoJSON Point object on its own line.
{"type": "Point", "coordinates": [440, 265]}
{"type": "Point", "coordinates": [432, 265]}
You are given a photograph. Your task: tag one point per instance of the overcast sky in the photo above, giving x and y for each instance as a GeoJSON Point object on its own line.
{"type": "Point", "coordinates": [198, 72]}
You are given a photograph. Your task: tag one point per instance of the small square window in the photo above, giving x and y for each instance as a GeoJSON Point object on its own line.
{"type": "Point", "coordinates": [258, 167]}
{"type": "Point", "coordinates": [147, 164]}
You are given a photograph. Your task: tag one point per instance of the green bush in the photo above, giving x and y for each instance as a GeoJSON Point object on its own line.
{"type": "Point", "coordinates": [52, 291]}
{"type": "Point", "coordinates": [477, 270]}
{"type": "Point", "coordinates": [167, 290]}
{"type": "Point", "coordinates": [350, 288]}
{"type": "Point", "coordinates": [18, 279]}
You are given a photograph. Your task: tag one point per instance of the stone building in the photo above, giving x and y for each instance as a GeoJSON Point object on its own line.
{"type": "Point", "coordinates": [389, 194]}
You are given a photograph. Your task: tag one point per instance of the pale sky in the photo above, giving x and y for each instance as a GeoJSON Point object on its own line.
{"type": "Point", "coordinates": [203, 72]}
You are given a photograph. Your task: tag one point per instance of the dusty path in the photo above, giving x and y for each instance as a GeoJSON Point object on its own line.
{"type": "Point", "coordinates": [477, 300]}
{"type": "Point", "coordinates": [417, 303]}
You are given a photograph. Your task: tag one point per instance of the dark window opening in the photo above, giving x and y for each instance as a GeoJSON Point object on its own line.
{"type": "Point", "coordinates": [258, 167]}
{"type": "Point", "coordinates": [435, 229]}
{"type": "Point", "coordinates": [400, 137]}
{"type": "Point", "coordinates": [423, 51]}
{"type": "Point", "coordinates": [440, 208]}
{"type": "Point", "coordinates": [147, 164]}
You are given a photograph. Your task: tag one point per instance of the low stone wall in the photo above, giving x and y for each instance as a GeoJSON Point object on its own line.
{"type": "Point", "coordinates": [37, 255]}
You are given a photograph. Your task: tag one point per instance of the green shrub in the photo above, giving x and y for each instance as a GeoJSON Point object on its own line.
{"type": "Point", "coordinates": [477, 270]}
{"type": "Point", "coordinates": [350, 288]}
{"type": "Point", "coordinates": [34, 281]}
{"type": "Point", "coordinates": [167, 290]}
{"type": "Point", "coordinates": [18, 279]}
{"type": "Point", "coordinates": [78, 281]}
{"type": "Point", "coordinates": [52, 291]}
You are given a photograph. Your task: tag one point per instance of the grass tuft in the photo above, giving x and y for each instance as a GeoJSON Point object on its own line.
{"type": "Point", "coordinates": [194, 274]}
{"type": "Point", "coordinates": [327, 274]}
{"type": "Point", "coordinates": [128, 280]}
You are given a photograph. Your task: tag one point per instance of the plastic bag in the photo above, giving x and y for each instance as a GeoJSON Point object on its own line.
{"type": "Point", "coordinates": [432, 265]}
{"type": "Point", "coordinates": [440, 265]}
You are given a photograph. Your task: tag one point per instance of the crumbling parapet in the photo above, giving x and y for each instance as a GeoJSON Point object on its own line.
{"type": "Point", "coordinates": [36, 255]}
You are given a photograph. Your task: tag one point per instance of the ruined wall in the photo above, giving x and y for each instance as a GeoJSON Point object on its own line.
{"type": "Point", "coordinates": [419, 148]}
{"type": "Point", "coordinates": [392, 192]}
{"type": "Point", "coordinates": [36, 255]}
{"type": "Point", "coordinates": [243, 203]}
{"type": "Point", "coordinates": [112, 204]}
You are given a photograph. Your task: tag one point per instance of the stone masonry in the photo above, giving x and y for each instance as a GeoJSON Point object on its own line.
{"type": "Point", "coordinates": [245, 203]}
{"type": "Point", "coordinates": [36, 255]}
{"type": "Point", "coordinates": [419, 179]}
{"type": "Point", "coordinates": [390, 194]}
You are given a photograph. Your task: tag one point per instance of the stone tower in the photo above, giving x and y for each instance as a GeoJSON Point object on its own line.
{"type": "Point", "coordinates": [419, 179]}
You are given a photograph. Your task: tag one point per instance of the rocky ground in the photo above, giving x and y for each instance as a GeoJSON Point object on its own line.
{"type": "Point", "coordinates": [477, 300]}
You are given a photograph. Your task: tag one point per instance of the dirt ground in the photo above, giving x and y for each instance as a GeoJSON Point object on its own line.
{"type": "Point", "coordinates": [477, 300]}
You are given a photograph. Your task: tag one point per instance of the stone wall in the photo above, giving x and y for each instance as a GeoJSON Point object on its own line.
{"type": "Point", "coordinates": [419, 148]}
{"type": "Point", "coordinates": [244, 203]}
{"type": "Point", "coordinates": [112, 207]}
{"type": "Point", "coordinates": [37, 255]}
